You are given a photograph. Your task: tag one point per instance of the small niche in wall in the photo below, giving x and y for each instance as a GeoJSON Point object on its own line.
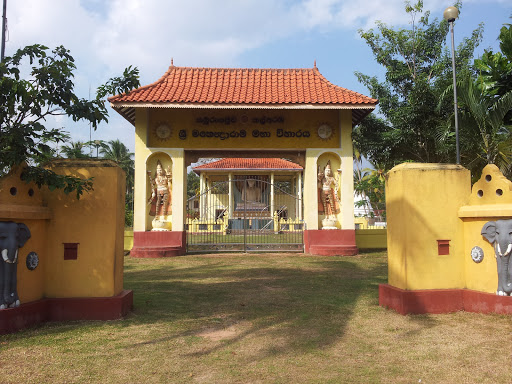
{"type": "Point", "coordinates": [443, 247]}
{"type": "Point", "coordinates": [70, 251]}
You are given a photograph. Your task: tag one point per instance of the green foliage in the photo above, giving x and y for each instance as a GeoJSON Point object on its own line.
{"type": "Point", "coordinates": [192, 184]}
{"type": "Point", "coordinates": [118, 85]}
{"type": "Point", "coordinates": [116, 151]}
{"type": "Point", "coordinates": [27, 103]}
{"type": "Point", "coordinates": [369, 183]}
{"type": "Point", "coordinates": [75, 150]}
{"type": "Point", "coordinates": [42, 176]}
{"type": "Point", "coordinates": [485, 136]}
{"type": "Point", "coordinates": [495, 69]}
{"type": "Point", "coordinates": [128, 215]}
{"type": "Point", "coordinates": [485, 110]}
{"type": "Point", "coordinates": [219, 188]}
{"type": "Point", "coordinates": [418, 70]}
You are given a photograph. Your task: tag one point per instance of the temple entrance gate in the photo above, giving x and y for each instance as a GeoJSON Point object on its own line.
{"type": "Point", "coordinates": [292, 114]}
{"type": "Point", "coordinates": [246, 214]}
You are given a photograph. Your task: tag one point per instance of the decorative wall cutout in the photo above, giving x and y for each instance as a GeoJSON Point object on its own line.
{"type": "Point", "coordinates": [492, 188]}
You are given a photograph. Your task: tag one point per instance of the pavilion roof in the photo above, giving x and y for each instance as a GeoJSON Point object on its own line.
{"type": "Point", "coordinates": [245, 164]}
{"type": "Point", "coordinates": [186, 87]}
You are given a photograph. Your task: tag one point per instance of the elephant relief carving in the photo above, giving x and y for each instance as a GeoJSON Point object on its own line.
{"type": "Point", "coordinates": [499, 234]}
{"type": "Point", "coordinates": [12, 236]}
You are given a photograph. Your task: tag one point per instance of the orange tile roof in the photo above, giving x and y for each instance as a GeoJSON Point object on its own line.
{"type": "Point", "coordinates": [252, 164]}
{"type": "Point", "coordinates": [243, 86]}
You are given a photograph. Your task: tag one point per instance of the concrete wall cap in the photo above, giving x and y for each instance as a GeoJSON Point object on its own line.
{"type": "Point", "coordinates": [427, 167]}
{"type": "Point", "coordinates": [81, 163]}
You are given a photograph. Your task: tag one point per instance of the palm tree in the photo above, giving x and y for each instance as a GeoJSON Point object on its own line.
{"type": "Point", "coordinates": [116, 151]}
{"type": "Point", "coordinates": [359, 174]}
{"type": "Point", "coordinates": [483, 116]}
{"type": "Point", "coordinates": [369, 184]}
{"type": "Point", "coordinates": [75, 150]}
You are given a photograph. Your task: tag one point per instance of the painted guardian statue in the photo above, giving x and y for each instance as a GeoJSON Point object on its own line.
{"type": "Point", "coordinates": [12, 236]}
{"type": "Point", "coordinates": [160, 191]}
{"type": "Point", "coordinates": [499, 234]}
{"type": "Point", "coordinates": [328, 191]}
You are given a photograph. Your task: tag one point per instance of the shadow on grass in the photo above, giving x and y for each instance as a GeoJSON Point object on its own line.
{"type": "Point", "coordinates": [302, 303]}
{"type": "Point", "coordinates": [274, 303]}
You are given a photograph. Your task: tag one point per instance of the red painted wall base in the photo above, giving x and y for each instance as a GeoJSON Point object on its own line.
{"type": "Point", "coordinates": [158, 244]}
{"type": "Point", "coordinates": [65, 309]}
{"type": "Point", "coordinates": [330, 242]}
{"type": "Point", "coordinates": [442, 301]}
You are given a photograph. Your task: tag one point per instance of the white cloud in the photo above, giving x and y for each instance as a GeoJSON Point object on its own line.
{"type": "Point", "coordinates": [106, 36]}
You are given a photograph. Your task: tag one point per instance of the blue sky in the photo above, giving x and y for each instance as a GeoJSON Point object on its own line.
{"type": "Point", "coordinates": [106, 36]}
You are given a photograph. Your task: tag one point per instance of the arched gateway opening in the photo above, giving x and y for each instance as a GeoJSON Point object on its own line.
{"type": "Point", "coordinates": [282, 178]}
{"type": "Point", "coordinates": [248, 205]}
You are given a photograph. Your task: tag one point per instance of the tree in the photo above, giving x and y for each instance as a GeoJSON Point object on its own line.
{"type": "Point", "coordinates": [75, 150]}
{"type": "Point", "coordinates": [418, 70]}
{"type": "Point", "coordinates": [359, 174]}
{"type": "Point", "coordinates": [488, 138]}
{"type": "Point", "coordinates": [369, 183]}
{"type": "Point", "coordinates": [485, 109]}
{"type": "Point", "coordinates": [192, 184]}
{"type": "Point", "coordinates": [116, 151]}
{"type": "Point", "coordinates": [495, 69]}
{"type": "Point", "coordinates": [27, 103]}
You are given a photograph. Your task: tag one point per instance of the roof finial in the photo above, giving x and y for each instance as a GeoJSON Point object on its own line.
{"type": "Point", "coordinates": [315, 63]}
{"type": "Point", "coordinates": [172, 62]}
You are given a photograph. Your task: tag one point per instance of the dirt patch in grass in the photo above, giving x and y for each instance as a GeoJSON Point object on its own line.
{"type": "Point", "coordinates": [225, 333]}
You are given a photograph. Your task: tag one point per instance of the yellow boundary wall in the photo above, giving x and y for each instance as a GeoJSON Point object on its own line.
{"type": "Point", "coordinates": [94, 225]}
{"type": "Point", "coordinates": [372, 238]}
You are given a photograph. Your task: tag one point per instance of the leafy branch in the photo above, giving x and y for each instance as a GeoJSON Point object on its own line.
{"type": "Point", "coordinates": [48, 90]}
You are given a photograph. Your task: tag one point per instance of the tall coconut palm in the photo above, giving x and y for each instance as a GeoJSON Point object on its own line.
{"type": "Point", "coordinates": [116, 151]}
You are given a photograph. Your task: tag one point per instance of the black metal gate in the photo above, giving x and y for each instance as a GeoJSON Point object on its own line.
{"type": "Point", "coordinates": [247, 214]}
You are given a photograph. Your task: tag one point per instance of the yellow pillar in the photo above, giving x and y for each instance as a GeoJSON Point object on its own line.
{"type": "Point", "coordinates": [141, 178]}
{"type": "Point", "coordinates": [347, 171]}
{"type": "Point", "coordinates": [272, 190]}
{"type": "Point", "coordinates": [422, 202]}
{"type": "Point", "coordinates": [231, 199]}
{"type": "Point", "coordinates": [179, 188]}
{"type": "Point", "coordinates": [300, 195]}
{"type": "Point", "coordinates": [311, 189]}
{"type": "Point", "coordinates": [202, 196]}
{"type": "Point", "coordinates": [208, 203]}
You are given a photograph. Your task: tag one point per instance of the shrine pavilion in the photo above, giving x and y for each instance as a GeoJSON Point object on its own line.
{"type": "Point", "coordinates": [276, 138]}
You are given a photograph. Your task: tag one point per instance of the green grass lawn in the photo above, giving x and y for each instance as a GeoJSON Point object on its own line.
{"type": "Point", "coordinates": [262, 318]}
